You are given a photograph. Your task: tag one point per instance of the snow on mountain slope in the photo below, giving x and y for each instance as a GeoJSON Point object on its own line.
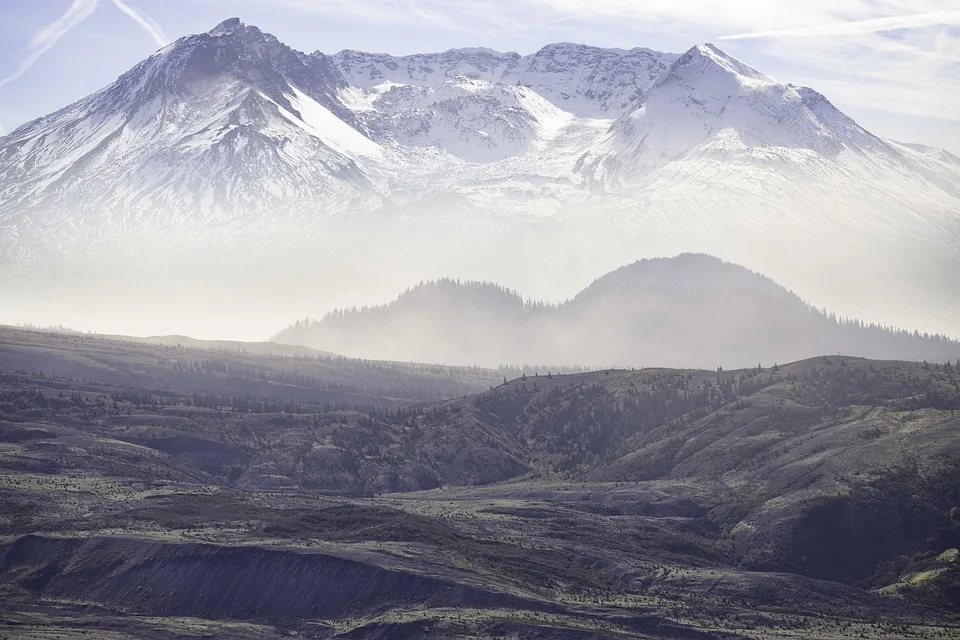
{"type": "Point", "coordinates": [713, 105]}
{"type": "Point", "coordinates": [216, 126]}
{"type": "Point", "coordinates": [593, 82]}
{"type": "Point", "coordinates": [327, 127]}
{"type": "Point", "coordinates": [934, 153]}
{"type": "Point", "coordinates": [716, 124]}
{"type": "Point", "coordinates": [585, 81]}
{"type": "Point", "coordinates": [368, 70]}
{"type": "Point", "coordinates": [474, 120]}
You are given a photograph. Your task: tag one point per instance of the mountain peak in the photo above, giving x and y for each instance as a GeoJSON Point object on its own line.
{"type": "Point", "coordinates": [558, 49]}
{"type": "Point", "coordinates": [230, 25]}
{"type": "Point", "coordinates": [708, 56]}
{"type": "Point", "coordinates": [560, 46]}
{"type": "Point", "coordinates": [487, 51]}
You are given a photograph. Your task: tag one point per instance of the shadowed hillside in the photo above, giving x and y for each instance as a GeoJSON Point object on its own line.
{"type": "Point", "coordinates": [236, 373]}
{"type": "Point", "coordinates": [818, 497]}
{"type": "Point", "coordinates": [691, 310]}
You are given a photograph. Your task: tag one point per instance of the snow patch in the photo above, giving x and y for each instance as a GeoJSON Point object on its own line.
{"type": "Point", "coordinates": [551, 120]}
{"type": "Point", "coordinates": [318, 121]}
{"type": "Point", "coordinates": [356, 99]}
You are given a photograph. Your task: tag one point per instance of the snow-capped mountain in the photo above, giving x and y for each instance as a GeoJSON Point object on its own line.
{"type": "Point", "coordinates": [607, 155]}
{"type": "Point", "coordinates": [216, 126]}
{"type": "Point", "coordinates": [712, 105]}
{"type": "Point", "coordinates": [715, 136]}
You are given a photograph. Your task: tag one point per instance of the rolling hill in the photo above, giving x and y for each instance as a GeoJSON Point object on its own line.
{"type": "Point", "coordinates": [814, 498]}
{"type": "Point", "coordinates": [682, 311]}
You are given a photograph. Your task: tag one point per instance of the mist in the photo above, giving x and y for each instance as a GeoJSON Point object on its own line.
{"type": "Point", "coordinates": [214, 285]}
{"type": "Point", "coordinates": [687, 311]}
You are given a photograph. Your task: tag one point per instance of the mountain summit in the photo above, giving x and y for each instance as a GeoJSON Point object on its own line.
{"type": "Point", "coordinates": [711, 104]}
{"type": "Point", "coordinates": [216, 126]}
{"type": "Point", "coordinates": [708, 58]}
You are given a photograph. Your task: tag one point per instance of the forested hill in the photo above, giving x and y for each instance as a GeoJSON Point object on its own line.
{"type": "Point", "coordinates": [689, 311]}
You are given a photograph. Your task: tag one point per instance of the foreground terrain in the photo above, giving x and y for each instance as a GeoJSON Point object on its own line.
{"type": "Point", "coordinates": [812, 500]}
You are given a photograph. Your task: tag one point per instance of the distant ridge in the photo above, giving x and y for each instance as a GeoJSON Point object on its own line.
{"type": "Point", "coordinates": [691, 310]}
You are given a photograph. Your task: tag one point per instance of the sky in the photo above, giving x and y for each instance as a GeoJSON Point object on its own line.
{"type": "Point", "coordinates": [893, 65]}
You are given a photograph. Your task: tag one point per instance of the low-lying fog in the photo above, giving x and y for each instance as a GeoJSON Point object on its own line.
{"type": "Point", "coordinates": [208, 285]}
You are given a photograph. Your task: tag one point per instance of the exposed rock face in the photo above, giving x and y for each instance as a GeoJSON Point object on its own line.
{"type": "Point", "coordinates": [579, 79]}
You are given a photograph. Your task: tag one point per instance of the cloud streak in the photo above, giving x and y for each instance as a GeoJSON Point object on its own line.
{"type": "Point", "coordinates": [79, 10]}
{"type": "Point", "coordinates": [44, 39]}
{"type": "Point", "coordinates": [859, 27]}
{"type": "Point", "coordinates": [149, 24]}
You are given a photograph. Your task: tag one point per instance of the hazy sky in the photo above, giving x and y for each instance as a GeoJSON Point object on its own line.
{"type": "Point", "coordinates": [894, 65]}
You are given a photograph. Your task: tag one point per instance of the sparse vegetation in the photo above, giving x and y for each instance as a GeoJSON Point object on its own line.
{"type": "Point", "coordinates": [626, 503]}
